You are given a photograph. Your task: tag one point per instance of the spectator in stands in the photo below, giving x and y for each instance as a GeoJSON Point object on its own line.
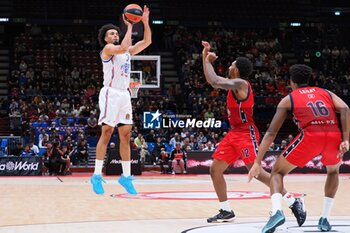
{"type": "Point", "coordinates": [68, 133]}
{"type": "Point", "coordinates": [75, 73]}
{"type": "Point", "coordinates": [144, 154]}
{"type": "Point", "coordinates": [151, 136]}
{"type": "Point", "coordinates": [43, 143]}
{"type": "Point", "coordinates": [201, 138]}
{"type": "Point", "coordinates": [27, 151]}
{"type": "Point", "coordinates": [138, 141]}
{"type": "Point", "coordinates": [23, 66]}
{"type": "Point", "coordinates": [53, 127]}
{"type": "Point", "coordinates": [164, 161]}
{"type": "Point", "coordinates": [183, 133]}
{"type": "Point", "coordinates": [283, 145]}
{"type": "Point", "coordinates": [92, 125]}
{"type": "Point", "coordinates": [42, 134]}
{"type": "Point", "coordinates": [43, 117]}
{"type": "Point", "coordinates": [60, 112]}
{"type": "Point", "coordinates": [81, 121]}
{"type": "Point", "coordinates": [83, 151]}
{"type": "Point", "coordinates": [65, 104]}
{"type": "Point", "coordinates": [158, 147]}
{"type": "Point", "coordinates": [178, 158]}
{"type": "Point", "coordinates": [134, 131]}
{"type": "Point", "coordinates": [186, 144]}
{"type": "Point", "coordinates": [174, 139]}
{"type": "Point", "coordinates": [208, 114]}
{"type": "Point", "coordinates": [81, 134]}
{"type": "Point", "coordinates": [193, 142]}
{"type": "Point", "coordinates": [64, 120]}
{"type": "Point", "coordinates": [14, 107]}
{"type": "Point", "coordinates": [272, 147]}
{"type": "Point", "coordinates": [34, 148]}
{"type": "Point", "coordinates": [209, 146]}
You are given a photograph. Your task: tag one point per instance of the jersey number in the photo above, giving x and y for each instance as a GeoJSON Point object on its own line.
{"type": "Point", "coordinates": [245, 152]}
{"type": "Point", "coordinates": [318, 108]}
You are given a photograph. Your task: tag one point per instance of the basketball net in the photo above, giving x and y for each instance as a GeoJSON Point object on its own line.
{"type": "Point", "coordinates": [134, 88]}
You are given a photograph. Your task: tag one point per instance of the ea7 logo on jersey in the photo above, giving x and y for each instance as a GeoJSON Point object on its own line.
{"type": "Point", "coordinates": [152, 120]}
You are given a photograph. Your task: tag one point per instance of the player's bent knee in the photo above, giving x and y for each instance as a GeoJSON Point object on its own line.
{"type": "Point", "coordinates": [215, 171]}
{"type": "Point", "coordinates": [334, 171]}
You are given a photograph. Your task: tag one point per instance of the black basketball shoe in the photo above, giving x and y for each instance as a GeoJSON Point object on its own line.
{"type": "Point", "coordinates": [298, 209]}
{"type": "Point", "coordinates": [222, 216]}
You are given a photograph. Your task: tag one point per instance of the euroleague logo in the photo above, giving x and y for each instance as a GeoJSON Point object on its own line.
{"type": "Point", "coordinates": [196, 195]}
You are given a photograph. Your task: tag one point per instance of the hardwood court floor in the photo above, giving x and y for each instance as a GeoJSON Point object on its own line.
{"type": "Point", "coordinates": [67, 203]}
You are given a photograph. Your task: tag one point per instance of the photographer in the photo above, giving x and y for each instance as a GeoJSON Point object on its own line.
{"type": "Point", "coordinates": [57, 161]}
{"type": "Point", "coordinates": [66, 157]}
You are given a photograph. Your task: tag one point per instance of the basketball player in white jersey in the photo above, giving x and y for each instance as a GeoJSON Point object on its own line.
{"type": "Point", "coordinates": [114, 98]}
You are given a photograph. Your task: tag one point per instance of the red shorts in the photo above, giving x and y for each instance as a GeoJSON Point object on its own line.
{"type": "Point", "coordinates": [239, 144]}
{"type": "Point", "coordinates": [307, 145]}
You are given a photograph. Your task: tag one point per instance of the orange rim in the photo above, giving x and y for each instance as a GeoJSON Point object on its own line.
{"type": "Point", "coordinates": [134, 84]}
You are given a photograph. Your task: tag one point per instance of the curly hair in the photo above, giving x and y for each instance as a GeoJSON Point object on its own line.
{"type": "Point", "coordinates": [102, 33]}
{"type": "Point", "coordinates": [300, 74]}
{"type": "Point", "coordinates": [245, 66]}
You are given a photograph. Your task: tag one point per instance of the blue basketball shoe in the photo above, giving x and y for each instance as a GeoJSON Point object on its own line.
{"type": "Point", "coordinates": [323, 225]}
{"type": "Point", "coordinates": [275, 220]}
{"type": "Point", "coordinates": [96, 181]}
{"type": "Point", "coordinates": [126, 182]}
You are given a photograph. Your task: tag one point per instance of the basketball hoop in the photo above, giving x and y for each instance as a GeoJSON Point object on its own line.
{"type": "Point", "coordinates": [134, 88]}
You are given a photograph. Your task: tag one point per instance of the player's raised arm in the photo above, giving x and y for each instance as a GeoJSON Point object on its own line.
{"type": "Point", "coordinates": [217, 81]}
{"type": "Point", "coordinates": [342, 108]}
{"type": "Point", "coordinates": [147, 34]}
{"type": "Point", "coordinates": [112, 49]}
{"type": "Point", "coordinates": [270, 135]}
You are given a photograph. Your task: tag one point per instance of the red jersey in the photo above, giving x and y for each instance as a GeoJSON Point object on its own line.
{"type": "Point", "coordinates": [313, 106]}
{"type": "Point", "coordinates": [240, 112]}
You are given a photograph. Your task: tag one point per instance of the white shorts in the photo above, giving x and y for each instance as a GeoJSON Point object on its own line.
{"type": "Point", "coordinates": [115, 107]}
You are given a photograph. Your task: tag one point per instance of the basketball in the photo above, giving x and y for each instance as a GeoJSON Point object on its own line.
{"type": "Point", "coordinates": [133, 13]}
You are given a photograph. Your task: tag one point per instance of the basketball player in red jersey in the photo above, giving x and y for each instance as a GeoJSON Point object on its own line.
{"type": "Point", "coordinates": [243, 139]}
{"type": "Point", "coordinates": [314, 111]}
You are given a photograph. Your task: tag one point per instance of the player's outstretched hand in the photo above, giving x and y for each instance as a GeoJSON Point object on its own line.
{"type": "Point", "coordinates": [211, 57]}
{"type": "Point", "coordinates": [145, 16]}
{"type": "Point", "coordinates": [254, 171]}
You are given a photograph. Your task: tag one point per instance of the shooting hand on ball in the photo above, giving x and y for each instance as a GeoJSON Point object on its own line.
{"type": "Point", "coordinates": [127, 23]}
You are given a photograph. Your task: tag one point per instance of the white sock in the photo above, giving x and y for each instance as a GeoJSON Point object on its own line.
{"type": "Point", "coordinates": [289, 199]}
{"type": "Point", "coordinates": [225, 205]}
{"type": "Point", "coordinates": [327, 207]}
{"type": "Point", "coordinates": [276, 200]}
{"type": "Point", "coordinates": [98, 167]}
{"type": "Point", "coordinates": [126, 168]}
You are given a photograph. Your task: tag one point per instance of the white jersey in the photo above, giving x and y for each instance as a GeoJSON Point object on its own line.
{"type": "Point", "coordinates": [116, 71]}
